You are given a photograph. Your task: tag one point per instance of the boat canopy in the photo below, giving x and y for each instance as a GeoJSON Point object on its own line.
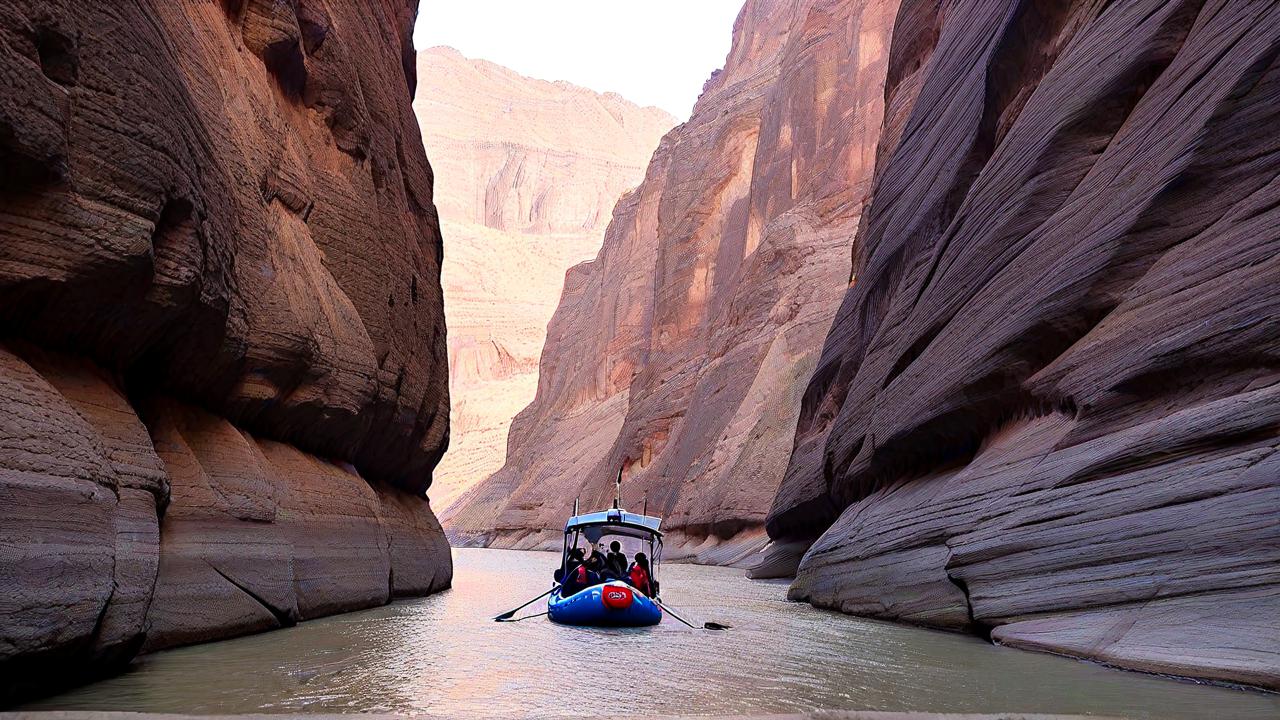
{"type": "Point", "coordinates": [615, 522]}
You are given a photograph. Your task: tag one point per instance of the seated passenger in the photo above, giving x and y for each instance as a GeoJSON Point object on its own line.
{"type": "Point", "coordinates": [596, 565]}
{"type": "Point", "coordinates": [573, 561]}
{"type": "Point", "coordinates": [597, 559]}
{"type": "Point", "coordinates": [574, 576]}
{"type": "Point", "coordinates": [615, 562]}
{"type": "Point", "coordinates": [638, 575]}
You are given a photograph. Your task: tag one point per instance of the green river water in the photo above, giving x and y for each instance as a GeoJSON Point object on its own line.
{"type": "Point", "coordinates": [444, 655]}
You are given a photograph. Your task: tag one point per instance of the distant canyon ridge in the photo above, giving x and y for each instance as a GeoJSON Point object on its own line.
{"type": "Point", "coordinates": [534, 170]}
{"type": "Point", "coordinates": [968, 310]}
{"type": "Point", "coordinates": [680, 353]}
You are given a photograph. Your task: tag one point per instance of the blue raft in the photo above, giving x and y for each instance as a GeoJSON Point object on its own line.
{"type": "Point", "coordinates": [609, 604]}
{"type": "Point", "coordinates": [613, 603]}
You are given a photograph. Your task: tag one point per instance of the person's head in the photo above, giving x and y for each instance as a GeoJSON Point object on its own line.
{"type": "Point", "coordinates": [615, 546]}
{"type": "Point", "coordinates": [642, 560]}
{"type": "Point", "coordinates": [595, 563]}
{"type": "Point", "coordinates": [575, 554]}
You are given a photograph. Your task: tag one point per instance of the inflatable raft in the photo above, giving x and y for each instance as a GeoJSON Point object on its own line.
{"type": "Point", "coordinates": [609, 604]}
{"type": "Point", "coordinates": [613, 603]}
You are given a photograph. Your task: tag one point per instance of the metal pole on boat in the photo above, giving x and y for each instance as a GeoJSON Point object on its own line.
{"type": "Point", "coordinates": [617, 489]}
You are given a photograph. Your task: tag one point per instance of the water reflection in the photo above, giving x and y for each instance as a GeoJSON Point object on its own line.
{"type": "Point", "coordinates": [444, 655]}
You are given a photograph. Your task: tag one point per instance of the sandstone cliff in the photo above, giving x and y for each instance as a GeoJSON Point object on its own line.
{"type": "Point", "coordinates": [1047, 411]}
{"type": "Point", "coordinates": [534, 170]}
{"type": "Point", "coordinates": [681, 351]}
{"type": "Point", "coordinates": [223, 365]}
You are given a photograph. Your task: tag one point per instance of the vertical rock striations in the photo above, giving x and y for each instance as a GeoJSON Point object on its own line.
{"type": "Point", "coordinates": [534, 170]}
{"type": "Point", "coordinates": [680, 352]}
{"type": "Point", "coordinates": [223, 364]}
{"type": "Point", "coordinates": [1047, 411]}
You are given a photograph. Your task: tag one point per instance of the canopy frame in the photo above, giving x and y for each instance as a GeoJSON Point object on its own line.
{"type": "Point", "coordinates": [614, 521]}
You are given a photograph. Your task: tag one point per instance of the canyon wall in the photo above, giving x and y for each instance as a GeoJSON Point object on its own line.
{"type": "Point", "coordinates": [1048, 411]}
{"type": "Point", "coordinates": [534, 168]}
{"type": "Point", "coordinates": [222, 344]}
{"type": "Point", "coordinates": [681, 351]}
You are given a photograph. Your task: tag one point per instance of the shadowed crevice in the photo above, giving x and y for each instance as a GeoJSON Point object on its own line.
{"type": "Point", "coordinates": [284, 617]}
{"type": "Point", "coordinates": [976, 627]}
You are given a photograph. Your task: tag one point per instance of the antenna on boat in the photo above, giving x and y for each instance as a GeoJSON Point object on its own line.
{"type": "Point", "coordinates": [645, 511]}
{"type": "Point", "coordinates": [575, 507]}
{"type": "Point", "coordinates": [617, 490]}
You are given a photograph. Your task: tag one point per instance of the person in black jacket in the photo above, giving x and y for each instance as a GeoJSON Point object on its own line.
{"type": "Point", "coordinates": [596, 564]}
{"type": "Point", "coordinates": [615, 561]}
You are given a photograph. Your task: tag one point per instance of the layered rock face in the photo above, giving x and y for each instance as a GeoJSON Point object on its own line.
{"type": "Point", "coordinates": [681, 351]}
{"type": "Point", "coordinates": [1047, 411]}
{"type": "Point", "coordinates": [224, 361]}
{"type": "Point", "coordinates": [534, 170]}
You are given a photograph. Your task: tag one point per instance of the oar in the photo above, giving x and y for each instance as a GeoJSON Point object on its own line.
{"type": "Point", "coordinates": [526, 617]}
{"type": "Point", "coordinates": [507, 615]}
{"type": "Point", "coordinates": [705, 626]}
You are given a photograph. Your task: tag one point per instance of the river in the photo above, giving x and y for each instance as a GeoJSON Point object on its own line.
{"type": "Point", "coordinates": [444, 655]}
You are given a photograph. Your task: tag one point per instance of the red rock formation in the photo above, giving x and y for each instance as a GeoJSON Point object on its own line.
{"type": "Point", "coordinates": [221, 205]}
{"type": "Point", "coordinates": [682, 350]}
{"type": "Point", "coordinates": [1047, 411]}
{"type": "Point", "coordinates": [534, 170]}
{"type": "Point", "coordinates": [527, 155]}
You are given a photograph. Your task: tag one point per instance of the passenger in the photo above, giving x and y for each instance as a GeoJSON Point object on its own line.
{"type": "Point", "coordinates": [596, 565]}
{"type": "Point", "coordinates": [616, 562]}
{"type": "Point", "coordinates": [575, 576]}
{"type": "Point", "coordinates": [639, 575]}
{"type": "Point", "coordinates": [575, 559]}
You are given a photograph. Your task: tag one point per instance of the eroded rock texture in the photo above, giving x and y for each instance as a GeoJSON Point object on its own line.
{"type": "Point", "coordinates": [1047, 410]}
{"type": "Point", "coordinates": [534, 170]}
{"type": "Point", "coordinates": [680, 353]}
{"type": "Point", "coordinates": [219, 263]}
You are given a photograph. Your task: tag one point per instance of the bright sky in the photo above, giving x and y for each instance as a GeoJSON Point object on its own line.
{"type": "Point", "coordinates": [652, 52]}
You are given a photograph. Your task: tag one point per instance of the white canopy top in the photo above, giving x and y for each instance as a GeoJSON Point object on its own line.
{"type": "Point", "coordinates": [619, 522]}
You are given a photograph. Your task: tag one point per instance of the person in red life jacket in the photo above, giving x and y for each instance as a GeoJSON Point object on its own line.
{"type": "Point", "coordinates": [582, 574]}
{"type": "Point", "coordinates": [638, 575]}
{"type": "Point", "coordinates": [576, 576]}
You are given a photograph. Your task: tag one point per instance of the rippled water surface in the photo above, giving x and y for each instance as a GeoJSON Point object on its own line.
{"type": "Point", "coordinates": [444, 655]}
